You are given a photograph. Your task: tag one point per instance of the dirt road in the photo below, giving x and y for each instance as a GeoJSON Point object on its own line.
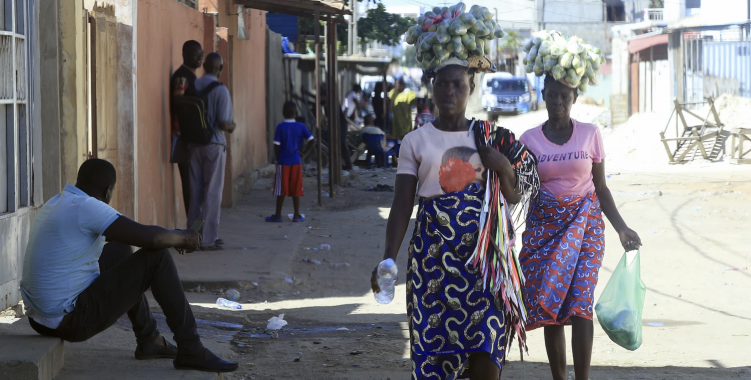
{"type": "Point", "coordinates": [693, 220]}
{"type": "Point", "coordinates": [697, 320]}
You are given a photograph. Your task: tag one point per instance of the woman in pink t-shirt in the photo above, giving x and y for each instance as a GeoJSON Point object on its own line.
{"type": "Point", "coordinates": [564, 240]}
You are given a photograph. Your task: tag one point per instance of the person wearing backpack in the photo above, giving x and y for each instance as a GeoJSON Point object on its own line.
{"type": "Point", "coordinates": [207, 115]}
{"type": "Point", "coordinates": [182, 78]}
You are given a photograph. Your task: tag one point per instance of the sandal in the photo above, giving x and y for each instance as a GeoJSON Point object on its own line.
{"type": "Point", "coordinates": [219, 242]}
{"type": "Point", "coordinates": [299, 220]}
{"type": "Point", "coordinates": [274, 219]}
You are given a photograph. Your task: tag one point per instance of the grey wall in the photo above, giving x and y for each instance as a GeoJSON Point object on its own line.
{"type": "Point", "coordinates": [592, 33]}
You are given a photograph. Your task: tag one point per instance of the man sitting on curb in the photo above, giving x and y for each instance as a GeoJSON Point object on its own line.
{"type": "Point", "coordinates": [76, 286]}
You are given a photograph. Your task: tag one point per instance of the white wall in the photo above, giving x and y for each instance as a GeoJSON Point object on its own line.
{"type": "Point", "coordinates": [572, 11]}
{"type": "Point", "coordinates": [515, 14]}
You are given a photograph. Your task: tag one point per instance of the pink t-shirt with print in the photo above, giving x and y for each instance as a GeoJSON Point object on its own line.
{"type": "Point", "coordinates": [567, 169]}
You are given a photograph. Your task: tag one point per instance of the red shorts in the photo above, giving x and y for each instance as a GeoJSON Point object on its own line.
{"type": "Point", "coordinates": [288, 181]}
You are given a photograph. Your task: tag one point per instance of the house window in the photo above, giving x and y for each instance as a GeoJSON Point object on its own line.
{"type": "Point", "coordinates": [242, 25]}
{"type": "Point", "coordinates": [14, 126]}
{"type": "Point", "coordinates": [191, 3]}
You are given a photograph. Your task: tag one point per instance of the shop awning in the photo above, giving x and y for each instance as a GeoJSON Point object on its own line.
{"type": "Point", "coordinates": [359, 65]}
{"type": "Point", "coordinates": [639, 44]}
{"type": "Point", "coordinates": [301, 8]}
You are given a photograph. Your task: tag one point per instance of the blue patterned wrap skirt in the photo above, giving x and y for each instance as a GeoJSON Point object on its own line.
{"type": "Point", "coordinates": [450, 315]}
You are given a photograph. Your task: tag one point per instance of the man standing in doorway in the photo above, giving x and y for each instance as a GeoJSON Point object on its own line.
{"type": "Point", "coordinates": [182, 78]}
{"type": "Point", "coordinates": [207, 162]}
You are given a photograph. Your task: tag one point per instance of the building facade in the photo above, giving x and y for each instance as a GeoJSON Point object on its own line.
{"type": "Point", "coordinates": [82, 79]}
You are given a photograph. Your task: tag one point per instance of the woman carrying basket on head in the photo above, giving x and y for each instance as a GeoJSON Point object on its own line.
{"type": "Point", "coordinates": [461, 320]}
{"type": "Point", "coordinates": [563, 244]}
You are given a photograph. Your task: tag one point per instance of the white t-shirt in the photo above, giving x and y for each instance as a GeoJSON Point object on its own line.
{"type": "Point", "coordinates": [350, 104]}
{"type": "Point", "coordinates": [62, 257]}
{"type": "Point", "coordinates": [443, 162]}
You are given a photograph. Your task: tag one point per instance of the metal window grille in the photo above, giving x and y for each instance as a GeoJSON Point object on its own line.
{"type": "Point", "coordinates": [15, 133]}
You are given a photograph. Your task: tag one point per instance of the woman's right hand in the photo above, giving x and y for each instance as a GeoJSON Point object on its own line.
{"type": "Point", "coordinates": [374, 281]}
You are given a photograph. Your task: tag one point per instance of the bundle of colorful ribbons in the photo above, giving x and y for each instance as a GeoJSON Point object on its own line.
{"type": "Point", "coordinates": [495, 254]}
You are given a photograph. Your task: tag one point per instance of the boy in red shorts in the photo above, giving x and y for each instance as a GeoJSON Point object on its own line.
{"type": "Point", "coordinates": [289, 139]}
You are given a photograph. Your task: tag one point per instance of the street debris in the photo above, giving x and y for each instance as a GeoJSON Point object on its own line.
{"type": "Point", "coordinates": [276, 323]}
{"type": "Point", "coordinates": [381, 188]}
{"type": "Point", "coordinates": [312, 261]}
{"type": "Point", "coordinates": [232, 294]}
{"type": "Point", "coordinates": [735, 268]}
{"type": "Point", "coordinates": [325, 247]}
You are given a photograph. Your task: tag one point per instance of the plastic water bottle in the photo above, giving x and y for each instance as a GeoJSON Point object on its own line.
{"type": "Point", "coordinates": [387, 274]}
{"type": "Point", "coordinates": [223, 302]}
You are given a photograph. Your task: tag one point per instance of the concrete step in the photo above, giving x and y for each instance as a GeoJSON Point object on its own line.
{"type": "Point", "coordinates": [30, 357]}
{"type": "Point", "coordinates": [89, 363]}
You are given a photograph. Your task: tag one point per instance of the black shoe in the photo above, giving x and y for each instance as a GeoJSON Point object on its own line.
{"type": "Point", "coordinates": [203, 361]}
{"type": "Point", "coordinates": [156, 351]}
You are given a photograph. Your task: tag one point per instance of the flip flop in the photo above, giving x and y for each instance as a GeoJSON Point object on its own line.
{"type": "Point", "coordinates": [212, 248]}
{"type": "Point", "coordinates": [274, 219]}
{"type": "Point", "coordinates": [219, 242]}
{"type": "Point", "coordinates": [298, 220]}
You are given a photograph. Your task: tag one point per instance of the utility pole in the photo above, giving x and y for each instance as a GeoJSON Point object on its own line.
{"type": "Point", "coordinates": [498, 45]}
{"type": "Point", "coordinates": [605, 24]}
{"type": "Point", "coordinates": [350, 27]}
{"type": "Point", "coordinates": [355, 16]}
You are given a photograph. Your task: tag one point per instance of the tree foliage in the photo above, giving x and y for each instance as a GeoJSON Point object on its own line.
{"type": "Point", "coordinates": [384, 27]}
{"type": "Point", "coordinates": [511, 42]}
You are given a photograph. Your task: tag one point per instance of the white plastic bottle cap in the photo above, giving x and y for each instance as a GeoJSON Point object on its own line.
{"type": "Point", "coordinates": [388, 263]}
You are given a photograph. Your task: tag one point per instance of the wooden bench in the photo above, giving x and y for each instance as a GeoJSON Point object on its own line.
{"type": "Point", "coordinates": [692, 138]}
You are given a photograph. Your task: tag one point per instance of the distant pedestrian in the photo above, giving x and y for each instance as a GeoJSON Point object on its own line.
{"type": "Point", "coordinates": [289, 140]}
{"type": "Point", "coordinates": [424, 115]}
{"type": "Point", "coordinates": [350, 105]}
{"type": "Point", "coordinates": [402, 100]}
{"type": "Point", "coordinates": [371, 129]}
{"type": "Point", "coordinates": [207, 161]}
{"type": "Point", "coordinates": [182, 78]}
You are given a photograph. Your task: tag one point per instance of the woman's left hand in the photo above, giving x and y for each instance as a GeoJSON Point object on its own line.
{"type": "Point", "coordinates": [494, 160]}
{"type": "Point", "coordinates": [630, 239]}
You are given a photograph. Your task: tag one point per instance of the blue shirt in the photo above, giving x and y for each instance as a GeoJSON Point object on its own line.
{"type": "Point", "coordinates": [62, 257]}
{"type": "Point", "coordinates": [219, 108]}
{"type": "Point", "coordinates": [290, 136]}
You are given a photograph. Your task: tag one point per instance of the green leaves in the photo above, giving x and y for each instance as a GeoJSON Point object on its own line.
{"type": "Point", "coordinates": [384, 27]}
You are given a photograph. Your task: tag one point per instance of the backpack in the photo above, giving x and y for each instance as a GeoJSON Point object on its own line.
{"type": "Point", "coordinates": [191, 110]}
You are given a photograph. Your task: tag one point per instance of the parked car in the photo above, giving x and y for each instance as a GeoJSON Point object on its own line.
{"type": "Point", "coordinates": [506, 94]}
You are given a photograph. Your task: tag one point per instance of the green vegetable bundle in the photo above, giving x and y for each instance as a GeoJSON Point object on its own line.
{"type": "Point", "coordinates": [569, 60]}
{"type": "Point", "coordinates": [448, 31]}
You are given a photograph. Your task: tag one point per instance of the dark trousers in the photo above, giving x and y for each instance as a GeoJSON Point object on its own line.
{"type": "Point", "coordinates": [184, 169]}
{"type": "Point", "coordinates": [344, 128]}
{"type": "Point", "coordinates": [125, 276]}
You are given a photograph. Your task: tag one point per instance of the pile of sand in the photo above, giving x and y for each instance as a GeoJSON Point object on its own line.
{"type": "Point", "coordinates": [636, 144]}
{"type": "Point", "coordinates": [735, 111]}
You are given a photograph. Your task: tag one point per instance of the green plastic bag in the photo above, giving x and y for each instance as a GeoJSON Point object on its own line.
{"type": "Point", "coordinates": [620, 306]}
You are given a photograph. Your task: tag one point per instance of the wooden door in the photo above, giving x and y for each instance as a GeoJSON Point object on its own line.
{"type": "Point", "coordinates": [102, 86]}
{"type": "Point", "coordinates": [634, 78]}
